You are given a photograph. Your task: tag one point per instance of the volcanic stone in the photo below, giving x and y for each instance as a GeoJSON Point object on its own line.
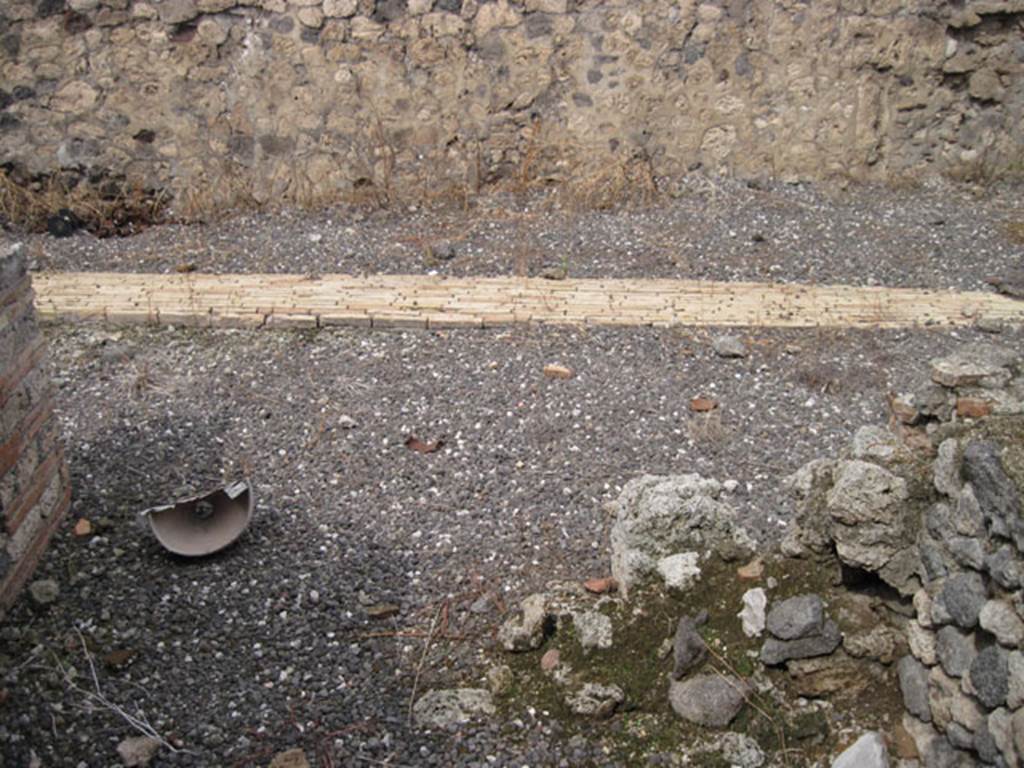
{"type": "Point", "coordinates": [796, 617]}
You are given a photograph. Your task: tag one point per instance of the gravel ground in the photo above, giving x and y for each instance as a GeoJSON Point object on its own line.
{"type": "Point", "coordinates": [269, 645]}
{"type": "Point", "coordinates": [931, 237]}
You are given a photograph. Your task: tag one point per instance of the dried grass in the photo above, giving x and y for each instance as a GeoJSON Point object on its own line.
{"type": "Point", "coordinates": [106, 208]}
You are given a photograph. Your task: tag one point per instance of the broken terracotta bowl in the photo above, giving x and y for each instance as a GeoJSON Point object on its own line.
{"type": "Point", "coordinates": [202, 525]}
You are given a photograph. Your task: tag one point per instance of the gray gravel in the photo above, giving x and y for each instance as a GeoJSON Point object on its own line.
{"type": "Point", "coordinates": [931, 237]}
{"type": "Point", "coordinates": [269, 645]}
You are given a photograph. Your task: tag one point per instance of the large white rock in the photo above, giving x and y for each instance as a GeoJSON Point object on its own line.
{"type": "Point", "coordinates": [660, 516]}
{"type": "Point", "coordinates": [753, 613]}
{"type": "Point", "coordinates": [869, 751]}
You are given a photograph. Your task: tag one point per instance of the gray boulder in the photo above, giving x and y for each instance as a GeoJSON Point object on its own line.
{"type": "Point", "coordinates": [660, 516]}
{"type": "Point", "coordinates": [454, 706]}
{"type": "Point", "coordinates": [796, 617]}
{"type": "Point", "coordinates": [709, 700]}
{"type": "Point", "coordinates": [775, 651]}
{"type": "Point", "coordinates": [869, 751]}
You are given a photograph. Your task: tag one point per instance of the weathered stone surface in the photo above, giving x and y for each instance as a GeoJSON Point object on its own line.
{"type": "Point", "coordinates": [913, 677]}
{"type": "Point", "coordinates": [689, 650]}
{"type": "Point", "coordinates": [942, 691]}
{"type": "Point", "coordinates": [138, 751]}
{"type": "Point", "coordinates": [872, 442]}
{"type": "Point", "coordinates": [880, 643]}
{"type": "Point", "coordinates": [500, 679]}
{"type": "Point", "coordinates": [946, 468]}
{"type": "Point", "coordinates": [776, 651]}
{"type": "Point", "coordinates": [998, 618]}
{"type": "Point", "coordinates": [660, 516]}
{"type": "Point", "coordinates": [1015, 682]}
{"type": "Point", "coordinates": [595, 700]}
{"type": "Point", "coordinates": [679, 571]}
{"type": "Point", "coordinates": [960, 600]}
{"type": "Point", "coordinates": [729, 346]}
{"type": "Point", "coordinates": [977, 365]}
{"type": "Point", "coordinates": [796, 617]}
{"type": "Point", "coordinates": [448, 707]}
{"type": "Point", "coordinates": [869, 751]}
{"type": "Point", "coordinates": [593, 629]}
{"type": "Point", "coordinates": [835, 675]}
{"type": "Point", "coordinates": [995, 491]}
{"type": "Point", "coordinates": [956, 650]}
{"type": "Point", "coordinates": [922, 643]}
{"type": "Point", "coordinates": [990, 676]}
{"type": "Point", "coordinates": [1004, 567]}
{"type": "Point", "coordinates": [527, 630]}
{"type": "Point", "coordinates": [44, 591]}
{"type": "Point", "coordinates": [709, 700]}
{"type": "Point", "coordinates": [1000, 726]}
{"type": "Point", "coordinates": [865, 503]}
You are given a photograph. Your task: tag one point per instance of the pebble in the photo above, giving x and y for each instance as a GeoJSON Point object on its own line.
{"type": "Point", "coordinates": [44, 591]}
{"type": "Point", "coordinates": [729, 346]}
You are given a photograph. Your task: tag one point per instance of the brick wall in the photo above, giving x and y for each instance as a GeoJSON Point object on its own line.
{"type": "Point", "coordinates": [34, 486]}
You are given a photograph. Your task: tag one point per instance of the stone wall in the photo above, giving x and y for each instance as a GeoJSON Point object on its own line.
{"type": "Point", "coordinates": [933, 508]}
{"type": "Point", "coordinates": [311, 99]}
{"type": "Point", "coordinates": [34, 484]}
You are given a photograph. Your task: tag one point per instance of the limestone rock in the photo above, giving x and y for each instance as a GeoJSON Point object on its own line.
{"type": "Point", "coordinates": [500, 679]}
{"type": "Point", "coordinates": [660, 516]}
{"type": "Point", "coordinates": [679, 571]}
{"type": "Point", "coordinates": [922, 643]}
{"type": "Point", "coordinates": [875, 443]}
{"type": "Point", "coordinates": [977, 365]}
{"type": "Point", "coordinates": [946, 468]}
{"type": "Point", "coordinates": [526, 632]}
{"type": "Point", "coordinates": [729, 346]}
{"type": "Point", "coordinates": [998, 618]}
{"type": "Point", "coordinates": [137, 751]}
{"type": "Point", "coordinates": [869, 751]}
{"type": "Point", "coordinates": [709, 700]}
{"type": "Point", "coordinates": [593, 629]}
{"type": "Point", "coordinates": [454, 706]}
{"type": "Point", "coordinates": [595, 700]}
{"type": "Point", "coordinates": [835, 675]}
{"type": "Point", "coordinates": [753, 614]}
{"type": "Point", "coordinates": [880, 643]}
{"type": "Point", "coordinates": [866, 503]}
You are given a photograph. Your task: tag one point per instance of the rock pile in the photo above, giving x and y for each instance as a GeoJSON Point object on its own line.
{"type": "Point", "coordinates": [933, 510]}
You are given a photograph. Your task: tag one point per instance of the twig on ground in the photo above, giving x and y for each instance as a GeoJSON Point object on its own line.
{"type": "Point", "coordinates": [423, 656]}
{"type": "Point", "coordinates": [779, 733]}
{"type": "Point", "coordinates": [97, 697]}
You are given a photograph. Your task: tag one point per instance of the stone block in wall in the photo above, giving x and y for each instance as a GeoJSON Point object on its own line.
{"type": "Point", "coordinates": [35, 488]}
